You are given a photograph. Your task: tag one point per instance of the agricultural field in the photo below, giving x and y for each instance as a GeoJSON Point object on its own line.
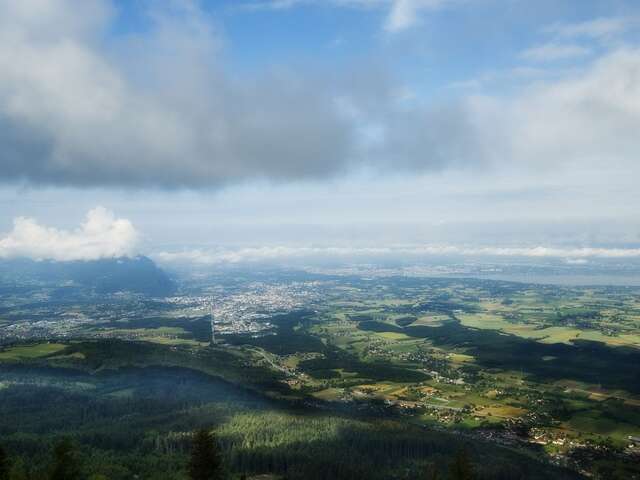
{"type": "Point", "coordinates": [547, 372]}
{"type": "Point", "coordinates": [480, 356]}
{"type": "Point", "coordinates": [26, 352]}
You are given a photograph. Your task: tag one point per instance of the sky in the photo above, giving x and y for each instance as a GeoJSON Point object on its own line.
{"type": "Point", "coordinates": [219, 131]}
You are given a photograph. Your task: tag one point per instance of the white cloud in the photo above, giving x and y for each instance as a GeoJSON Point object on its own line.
{"type": "Point", "coordinates": [355, 254]}
{"type": "Point", "coordinates": [102, 235]}
{"type": "Point", "coordinates": [599, 28]}
{"type": "Point", "coordinates": [550, 52]}
{"type": "Point", "coordinates": [585, 121]}
{"type": "Point", "coordinates": [257, 5]}
{"type": "Point", "coordinates": [402, 14]}
{"type": "Point", "coordinates": [405, 14]}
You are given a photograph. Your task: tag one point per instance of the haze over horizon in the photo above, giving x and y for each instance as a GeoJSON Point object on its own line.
{"type": "Point", "coordinates": [233, 130]}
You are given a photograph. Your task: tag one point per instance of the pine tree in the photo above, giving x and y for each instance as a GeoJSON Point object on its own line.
{"type": "Point", "coordinates": [206, 462]}
{"type": "Point", "coordinates": [66, 465]}
{"type": "Point", "coordinates": [18, 471]}
{"type": "Point", "coordinates": [431, 473]}
{"type": "Point", "coordinates": [460, 468]}
{"type": "Point", "coordinates": [5, 466]}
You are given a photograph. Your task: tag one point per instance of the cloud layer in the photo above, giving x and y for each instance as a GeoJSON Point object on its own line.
{"type": "Point", "coordinates": [159, 108]}
{"type": "Point", "coordinates": [102, 235]}
{"type": "Point", "coordinates": [80, 107]}
{"type": "Point", "coordinates": [355, 254]}
{"type": "Point", "coordinates": [151, 109]}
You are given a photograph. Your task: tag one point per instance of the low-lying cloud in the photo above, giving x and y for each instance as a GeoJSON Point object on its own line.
{"type": "Point", "coordinates": [101, 235]}
{"type": "Point", "coordinates": [223, 256]}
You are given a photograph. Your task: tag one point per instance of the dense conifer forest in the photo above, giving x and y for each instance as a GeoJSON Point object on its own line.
{"type": "Point", "coordinates": [148, 424]}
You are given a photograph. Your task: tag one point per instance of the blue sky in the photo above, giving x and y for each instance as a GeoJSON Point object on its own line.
{"type": "Point", "coordinates": [446, 44]}
{"type": "Point", "coordinates": [358, 123]}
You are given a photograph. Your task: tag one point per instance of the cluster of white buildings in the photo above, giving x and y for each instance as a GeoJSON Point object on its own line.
{"type": "Point", "coordinates": [249, 310]}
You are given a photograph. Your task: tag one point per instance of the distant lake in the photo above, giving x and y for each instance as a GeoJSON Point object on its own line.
{"type": "Point", "coordinates": [563, 279]}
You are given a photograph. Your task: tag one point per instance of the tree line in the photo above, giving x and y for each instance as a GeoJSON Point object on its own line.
{"type": "Point", "coordinates": [205, 463]}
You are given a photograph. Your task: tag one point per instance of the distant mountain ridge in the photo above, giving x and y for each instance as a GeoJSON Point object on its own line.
{"type": "Point", "coordinates": [110, 275]}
